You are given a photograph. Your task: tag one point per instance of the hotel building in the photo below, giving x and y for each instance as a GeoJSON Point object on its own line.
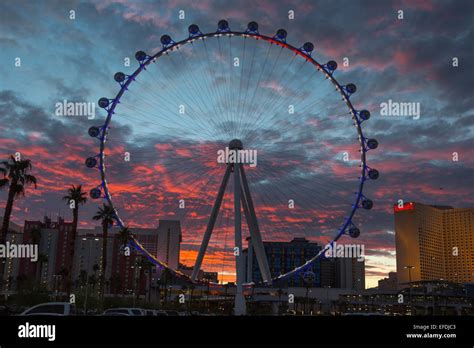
{"type": "Point", "coordinates": [434, 243]}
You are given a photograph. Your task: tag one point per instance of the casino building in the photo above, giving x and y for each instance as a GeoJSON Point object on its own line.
{"type": "Point", "coordinates": [345, 273]}
{"type": "Point", "coordinates": [434, 243]}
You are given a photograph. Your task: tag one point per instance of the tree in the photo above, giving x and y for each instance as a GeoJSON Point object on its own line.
{"type": "Point", "coordinates": [124, 236]}
{"type": "Point", "coordinates": [75, 197]}
{"type": "Point", "coordinates": [106, 214]}
{"type": "Point", "coordinates": [146, 269]}
{"type": "Point", "coordinates": [164, 280]}
{"type": "Point", "coordinates": [16, 177]}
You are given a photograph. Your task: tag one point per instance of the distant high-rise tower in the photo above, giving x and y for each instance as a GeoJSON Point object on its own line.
{"type": "Point", "coordinates": [343, 272]}
{"type": "Point", "coordinates": [347, 273]}
{"type": "Point", "coordinates": [434, 242]}
{"type": "Point", "coordinates": [283, 257]}
{"type": "Point", "coordinates": [169, 241]}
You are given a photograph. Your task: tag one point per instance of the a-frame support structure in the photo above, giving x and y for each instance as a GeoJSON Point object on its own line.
{"type": "Point", "coordinates": [242, 201]}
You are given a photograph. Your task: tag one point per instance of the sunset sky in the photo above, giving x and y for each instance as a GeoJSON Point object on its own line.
{"type": "Point", "coordinates": [403, 60]}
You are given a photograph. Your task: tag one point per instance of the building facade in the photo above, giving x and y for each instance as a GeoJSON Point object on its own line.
{"type": "Point", "coordinates": [343, 273]}
{"type": "Point", "coordinates": [124, 274]}
{"type": "Point", "coordinates": [169, 242]}
{"type": "Point", "coordinates": [54, 249]}
{"type": "Point", "coordinates": [434, 243]}
{"type": "Point", "coordinates": [283, 257]}
{"type": "Point", "coordinates": [390, 283]}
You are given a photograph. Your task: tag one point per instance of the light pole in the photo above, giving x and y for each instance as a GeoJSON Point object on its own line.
{"type": "Point", "coordinates": [136, 280]}
{"type": "Point", "coordinates": [87, 274]}
{"type": "Point", "coordinates": [409, 282]}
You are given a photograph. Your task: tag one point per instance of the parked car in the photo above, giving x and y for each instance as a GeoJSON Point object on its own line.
{"type": "Point", "coordinates": [172, 313]}
{"type": "Point", "coordinates": [115, 314]}
{"type": "Point", "coordinates": [155, 312]}
{"type": "Point", "coordinates": [128, 311]}
{"type": "Point", "coordinates": [51, 309]}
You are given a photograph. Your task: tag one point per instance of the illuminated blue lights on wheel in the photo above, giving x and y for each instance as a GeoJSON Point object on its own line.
{"type": "Point", "coordinates": [252, 30]}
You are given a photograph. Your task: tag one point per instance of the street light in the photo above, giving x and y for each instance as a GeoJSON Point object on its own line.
{"type": "Point", "coordinates": [87, 273]}
{"type": "Point", "coordinates": [409, 282]}
{"type": "Point", "coordinates": [409, 273]}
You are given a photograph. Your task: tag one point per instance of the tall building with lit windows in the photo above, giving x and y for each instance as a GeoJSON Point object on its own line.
{"type": "Point", "coordinates": [283, 257]}
{"type": "Point", "coordinates": [434, 242]}
{"type": "Point", "coordinates": [54, 255]}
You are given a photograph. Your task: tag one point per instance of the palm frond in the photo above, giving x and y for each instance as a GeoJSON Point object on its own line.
{"type": "Point", "coordinates": [31, 179]}
{"type": "Point", "coordinates": [4, 182]}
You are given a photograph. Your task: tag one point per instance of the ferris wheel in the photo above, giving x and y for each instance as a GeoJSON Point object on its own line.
{"type": "Point", "coordinates": [235, 134]}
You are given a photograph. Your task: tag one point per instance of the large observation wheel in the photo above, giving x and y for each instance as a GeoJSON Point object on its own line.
{"type": "Point", "coordinates": [186, 102]}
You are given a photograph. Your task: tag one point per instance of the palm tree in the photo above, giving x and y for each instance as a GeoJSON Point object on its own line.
{"type": "Point", "coordinates": [106, 215]}
{"type": "Point", "coordinates": [145, 266]}
{"type": "Point", "coordinates": [124, 236]}
{"type": "Point", "coordinates": [76, 195]}
{"type": "Point", "coordinates": [164, 280]}
{"type": "Point", "coordinates": [16, 177]}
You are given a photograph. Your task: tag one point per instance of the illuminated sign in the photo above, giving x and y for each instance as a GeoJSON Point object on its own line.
{"type": "Point", "coordinates": [406, 206]}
